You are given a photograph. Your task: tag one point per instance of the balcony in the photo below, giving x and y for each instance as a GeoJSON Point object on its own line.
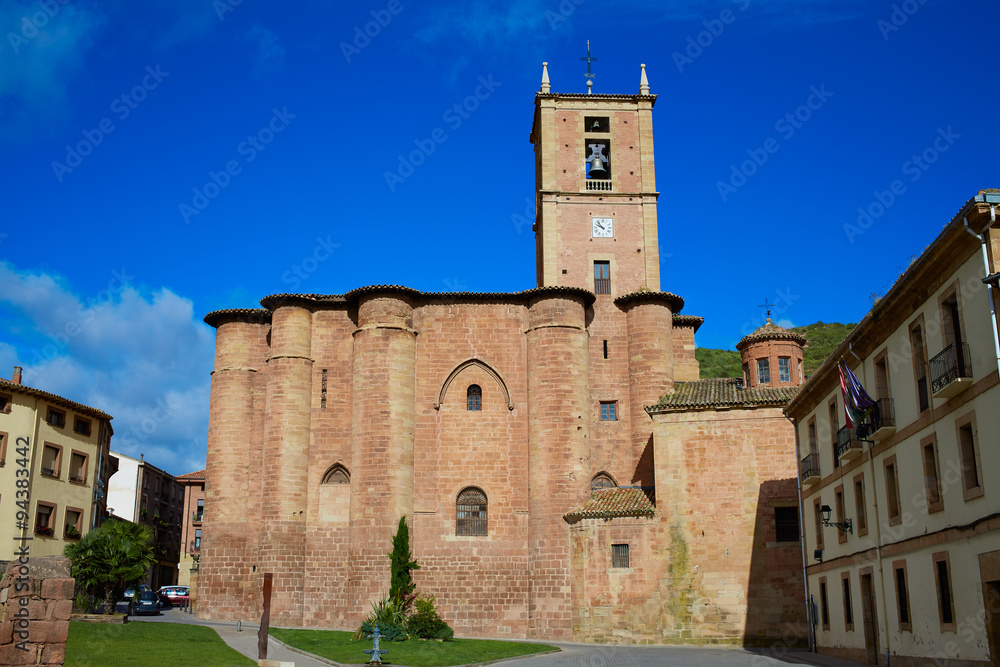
{"type": "Point", "coordinates": [50, 472]}
{"type": "Point", "coordinates": [951, 371]}
{"type": "Point", "coordinates": [197, 516]}
{"type": "Point", "coordinates": [599, 185]}
{"type": "Point", "coordinates": [809, 469]}
{"type": "Point", "coordinates": [882, 422]}
{"type": "Point", "coordinates": [848, 445]}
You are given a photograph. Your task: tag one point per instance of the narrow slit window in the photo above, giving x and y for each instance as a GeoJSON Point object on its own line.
{"type": "Point", "coordinates": [605, 349]}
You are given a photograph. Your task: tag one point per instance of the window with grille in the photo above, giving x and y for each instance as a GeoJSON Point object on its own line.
{"type": "Point", "coordinates": [602, 277]}
{"type": "Point", "coordinates": [786, 524]}
{"type": "Point", "coordinates": [602, 481]}
{"type": "Point", "coordinates": [470, 517]}
{"type": "Point", "coordinates": [474, 397]}
{"type": "Point", "coordinates": [619, 555]}
{"type": "Point", "coordinates": [763, 371]}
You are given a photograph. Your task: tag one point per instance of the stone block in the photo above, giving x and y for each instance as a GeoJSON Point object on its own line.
{"type": "Point", "coordinates": [58, 588]}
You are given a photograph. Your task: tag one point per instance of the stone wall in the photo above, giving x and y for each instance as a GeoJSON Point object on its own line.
{"type": "Point", "coordinates": [36, 599]}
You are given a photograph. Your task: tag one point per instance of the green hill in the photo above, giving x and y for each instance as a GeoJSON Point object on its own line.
{"type": "Point", "coordinates": [822, 339]}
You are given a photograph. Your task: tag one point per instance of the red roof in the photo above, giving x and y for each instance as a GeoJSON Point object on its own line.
{"type": "Point", "coordinates": [198, 474]}
{"type": "Point", "coordinates": [611, 503]}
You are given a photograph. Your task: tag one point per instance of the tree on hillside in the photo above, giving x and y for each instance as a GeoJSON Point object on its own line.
{"type": "Point", "coordinates": [401, 564]}
{"type": "Point", "coordinates": [111, 558]}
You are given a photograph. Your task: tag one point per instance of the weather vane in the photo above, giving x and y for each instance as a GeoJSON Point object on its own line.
{"type": "Point", "coordinates": [590, 75]}
{"type": "Point", "coordinates": [767, 305]}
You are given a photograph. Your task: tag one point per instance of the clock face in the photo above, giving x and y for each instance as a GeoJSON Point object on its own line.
{"type": "Point", "coordinates": [604, 227]}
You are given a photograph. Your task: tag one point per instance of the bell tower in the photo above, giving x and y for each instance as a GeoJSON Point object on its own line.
{"type": "Point", "coordinates": [595, 184]}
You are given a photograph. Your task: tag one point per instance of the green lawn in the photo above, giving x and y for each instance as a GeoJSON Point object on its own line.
{"type": "Point", "coordinates": [149, 645]}
{"type": "Point", "coordinates": [340, 647]}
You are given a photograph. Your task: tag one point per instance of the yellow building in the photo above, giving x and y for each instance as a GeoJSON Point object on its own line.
{"type": "Point", "coordinates": [62, 451]}
{"type": "Point", "coordinates": [902, 514]}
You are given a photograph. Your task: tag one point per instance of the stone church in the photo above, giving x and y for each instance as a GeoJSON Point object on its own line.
{"type": "Point", "coordinates": [565, 473]}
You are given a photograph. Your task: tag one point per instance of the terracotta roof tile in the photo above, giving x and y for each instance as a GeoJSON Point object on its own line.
{"type": "Point", "coordinates": [770, 332]}
{"type": "Point", "coordinates": [720, 393]}
{"type": "Point", "coordinates": [611, 503]}
{"type": "Point", "coordinates": [198, 474]}
{"type": "Point", "coordinates": [7, 385]}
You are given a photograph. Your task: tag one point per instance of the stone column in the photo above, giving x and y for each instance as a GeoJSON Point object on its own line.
{"type": "Point", "coordinates": [286, 461]}
{"type": "Point", "coordinates": [559, 451]}
{"type": "Point", "coordinates": [227, 579]}
{"type": "Point", "coordinates": [649, 317]}
{"type": "Point", "coordinates": [382, 433]}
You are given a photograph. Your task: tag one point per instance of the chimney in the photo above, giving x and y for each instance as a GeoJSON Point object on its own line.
{"type": "Point", "coordinates": [16, 379]}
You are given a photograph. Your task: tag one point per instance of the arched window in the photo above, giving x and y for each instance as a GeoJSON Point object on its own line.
{"type": "Point", "coordinates": [475, 397]}
{"type": "Point", "coordinates": [602, 481]}
{"type": "Point", "coordinates": [470, 517]}
{"type": "Point", "coordinates": [338, 474]}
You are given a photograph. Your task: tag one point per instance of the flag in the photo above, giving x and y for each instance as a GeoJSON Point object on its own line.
{"type": "Point", "coordinates": [857, 403]}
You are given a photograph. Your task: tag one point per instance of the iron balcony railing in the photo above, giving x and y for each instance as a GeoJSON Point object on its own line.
{"type": "Point", "coordinates": [197, 516]}
{"type": "Point", "coordinates": [809, 466]}
{"type": "Point", "coordinates": [602, 285]}
{"type": "Point", "coordinates": [847, 440]}
{"type": "Point", "coordinates": [951, 363]}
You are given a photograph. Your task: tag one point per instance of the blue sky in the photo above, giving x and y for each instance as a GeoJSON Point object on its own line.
{"type": "Point", "coordinates": [163, 160]}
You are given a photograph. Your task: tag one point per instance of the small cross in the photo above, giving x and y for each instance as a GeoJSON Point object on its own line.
{"type": "Point", "coordinates": [768, 306]}
{"type": "Point", "coordinates": [375, 652]}
{"type": "Point", "coordinates": [590, 75]}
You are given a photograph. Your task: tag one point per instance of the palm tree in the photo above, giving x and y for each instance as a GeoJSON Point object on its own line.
{"type": "Point", "coordinates": [112, 558]}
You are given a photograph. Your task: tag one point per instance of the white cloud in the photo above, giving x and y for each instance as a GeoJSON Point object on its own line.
{"type": "Point", "coordinates": [270, 52]}
{"type": "Point", "coordinates": [142, 358]}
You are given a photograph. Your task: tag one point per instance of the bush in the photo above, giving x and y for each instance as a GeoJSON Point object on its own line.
{"type": "Point", "coordinates": [390, 632]}
{"type": "Point", "coordinates": [389, 616]}
{"type": "Point", "coordinates": [425, 623]}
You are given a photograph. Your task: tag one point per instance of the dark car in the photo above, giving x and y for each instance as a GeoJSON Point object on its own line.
{"type": "Point", "coordinates": [174, 595]}
{"type": "Point", "coordinates": [145, 602]}
{"type": "Point", "coordinates": [131, 591]}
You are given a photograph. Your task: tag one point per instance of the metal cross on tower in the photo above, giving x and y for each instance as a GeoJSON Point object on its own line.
{"type": "Point", "coordinates": [590, 75]}
{"type": "Point", "coordinates": [768, 306]}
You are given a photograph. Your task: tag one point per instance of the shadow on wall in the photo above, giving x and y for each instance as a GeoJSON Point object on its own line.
{"type": "Point", "coordinates": [776, 610]}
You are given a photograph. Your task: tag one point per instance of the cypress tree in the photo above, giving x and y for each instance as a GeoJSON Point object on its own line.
{"type": "Point", "coordinates": [401, 564]}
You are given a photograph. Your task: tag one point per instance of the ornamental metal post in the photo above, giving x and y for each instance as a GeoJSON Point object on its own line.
{"type": "Point", "coordinates": [375, 652]}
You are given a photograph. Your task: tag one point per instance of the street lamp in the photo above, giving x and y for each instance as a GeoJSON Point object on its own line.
{"type": "Point", "coordinates": [844, 526]}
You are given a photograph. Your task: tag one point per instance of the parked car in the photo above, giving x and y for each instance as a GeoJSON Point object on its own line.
{"type": "Point", "coordinates": [145, 602]}
{"type": "Point", "coordinates": [131, 591]}
{"type": "Point", "coordinates": [174, 595]}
